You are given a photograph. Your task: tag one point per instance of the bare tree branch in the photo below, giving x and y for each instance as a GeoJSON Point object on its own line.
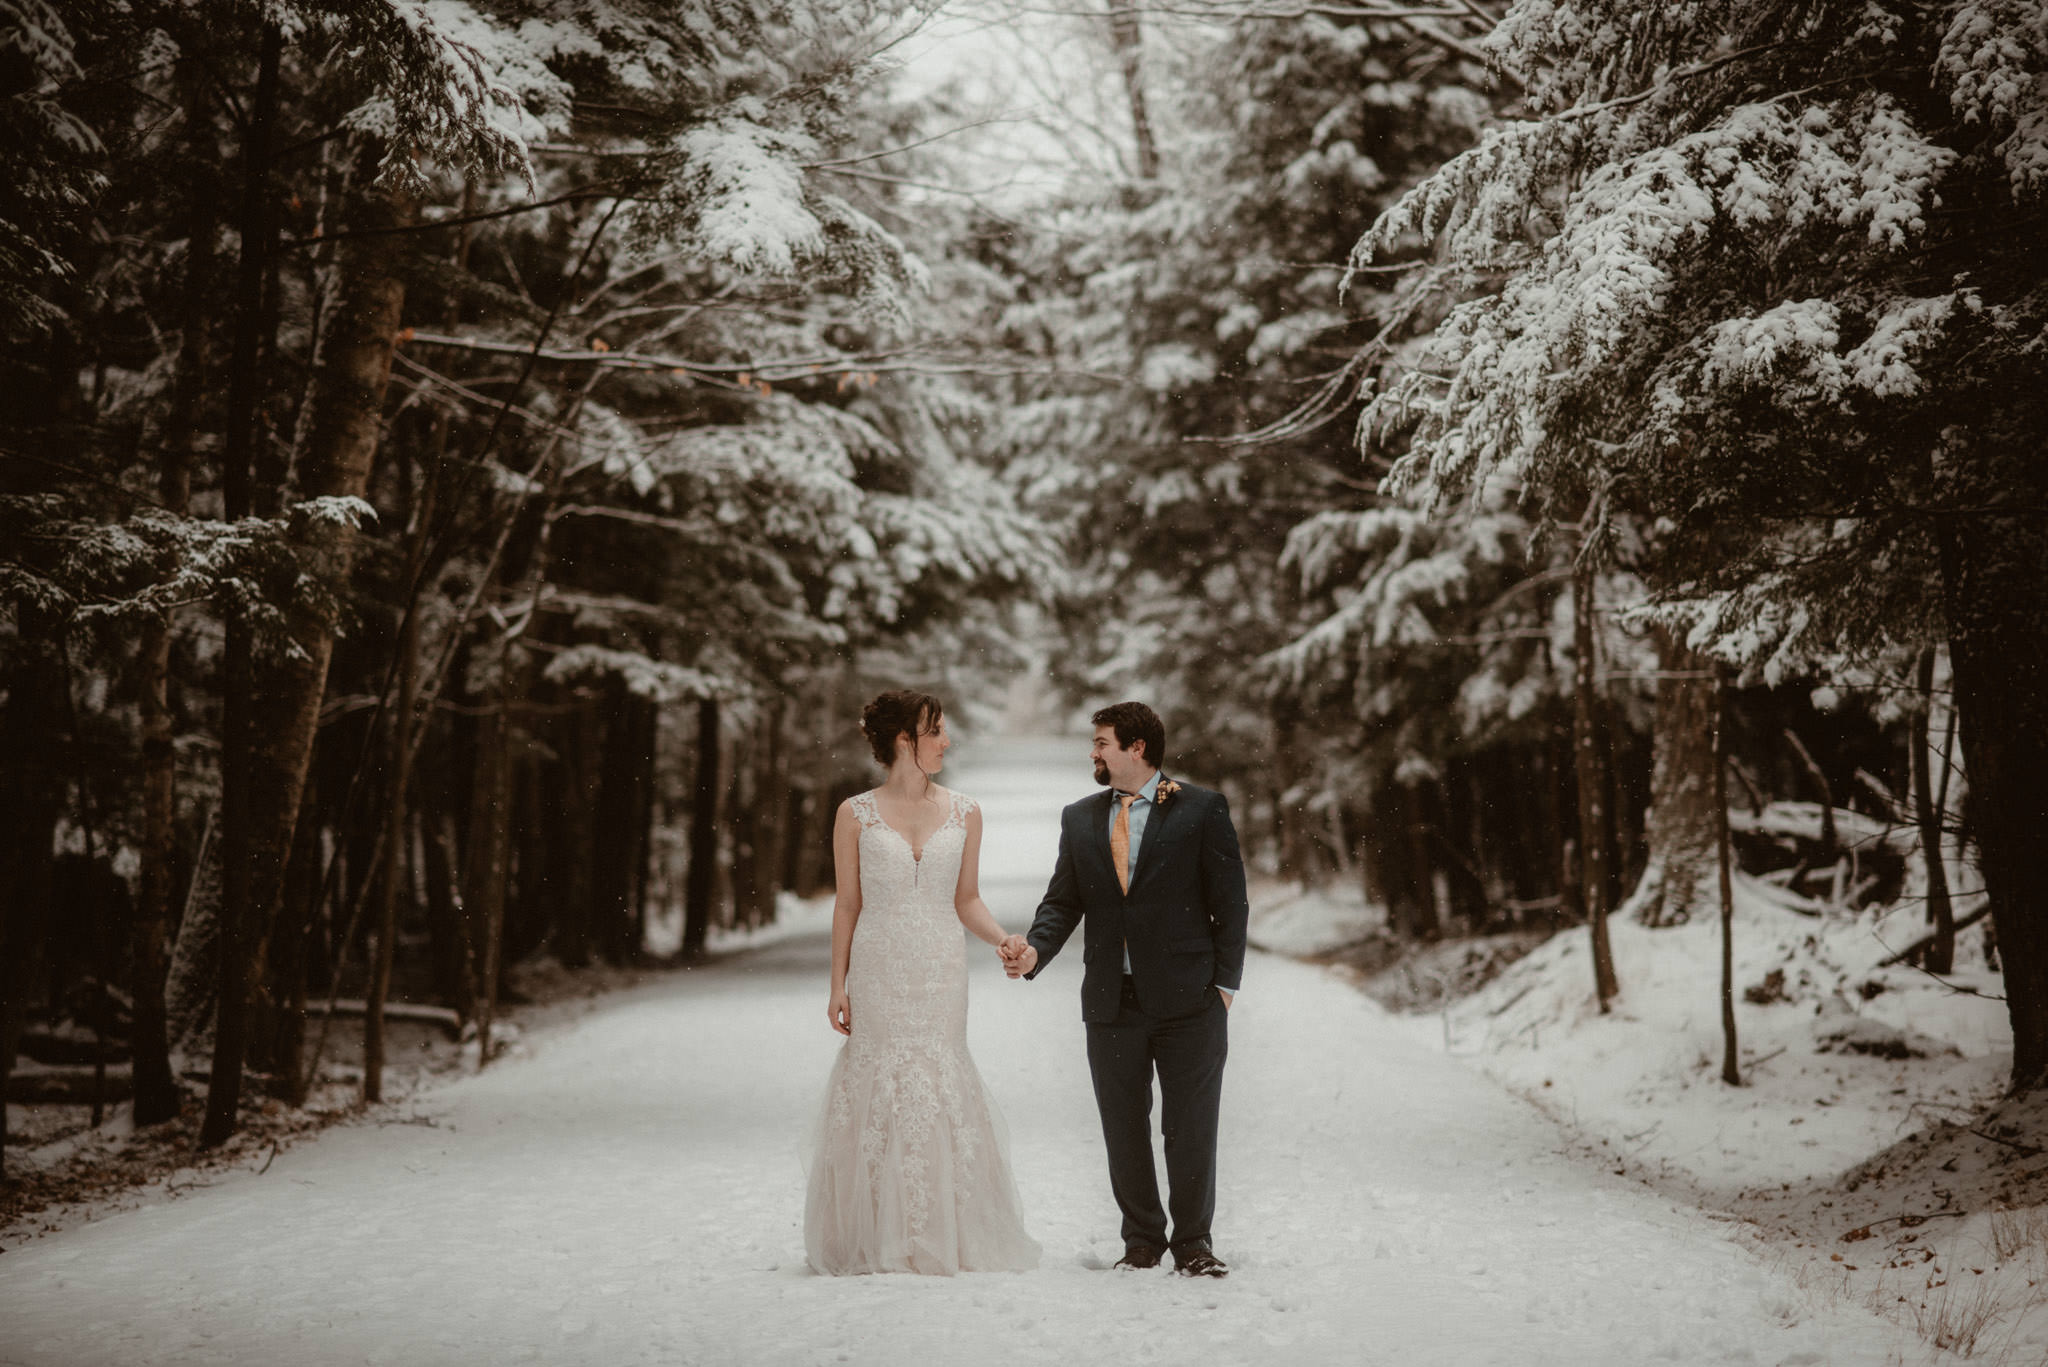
{"type": "Point", "coordinates": [740, 375]}
{"type": "Point", "coordinates": [574, 196]}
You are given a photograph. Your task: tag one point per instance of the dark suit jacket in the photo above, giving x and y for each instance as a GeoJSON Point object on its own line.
{"type": "Point", "coordinates": [1184, 916]}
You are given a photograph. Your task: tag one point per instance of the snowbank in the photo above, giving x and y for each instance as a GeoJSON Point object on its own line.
{"type": "Point", "coordinates": [1840, 1056]}
{"type": "Point", "coordinates": [1859, 1153]}
{"type": "Point", "coordinates": [1304, 922]}
{"type": "Point", "coordinates": [794, 916]}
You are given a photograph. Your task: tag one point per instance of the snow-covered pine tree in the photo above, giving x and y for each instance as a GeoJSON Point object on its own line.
{"type": "Point", "coordinates": [717, 485]}
{"type": "Point", "coordinates": [831, 501]}
{"type": "Point", "coordinates": [1766, 273]}
{"type": "Point", "coordinates": [53, 171]}
{"type": "Point", "coordinates": [1451, 642]}
{"type": "Point", "coordinates": [1211, 290]}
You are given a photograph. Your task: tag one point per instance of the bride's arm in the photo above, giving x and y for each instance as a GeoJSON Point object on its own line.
{"type": "Point", "coordinates": [973, 912]}
{"type": "Point", "coordinates": [845, 911]}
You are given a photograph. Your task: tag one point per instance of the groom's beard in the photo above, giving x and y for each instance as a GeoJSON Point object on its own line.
{"type": "Point", "coordinates": [1101, 772]}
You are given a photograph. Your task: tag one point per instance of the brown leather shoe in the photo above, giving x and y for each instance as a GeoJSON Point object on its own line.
{"type": "Point", "coordinates": [1139, 1257]}
{"type": "Point", "coordinates": [1199, 1262]}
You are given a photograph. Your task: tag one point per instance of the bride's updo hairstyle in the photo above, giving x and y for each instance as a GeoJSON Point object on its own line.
{"type": "Point", "coordinates": [893, 713]}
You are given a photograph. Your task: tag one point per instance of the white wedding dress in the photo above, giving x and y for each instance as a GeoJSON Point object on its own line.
{"type": "Point", "coordinates": [911, 1168]}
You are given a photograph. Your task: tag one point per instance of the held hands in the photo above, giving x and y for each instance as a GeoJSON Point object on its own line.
{"type": "Point", "coordinates": [840, 1012]}
{"type": "Point", "coordinates": [1019, 957]}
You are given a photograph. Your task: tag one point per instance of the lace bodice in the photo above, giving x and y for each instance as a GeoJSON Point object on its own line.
{"type": "Point", "coordinates": [909, 962]}
{"type": "Point", "coordinates": [911, 1173]}
{"type": "Point", "coordinates": [891, 871]}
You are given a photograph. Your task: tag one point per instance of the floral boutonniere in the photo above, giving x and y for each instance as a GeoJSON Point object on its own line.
{"type": "Point", "coordinates": [1164, 792]}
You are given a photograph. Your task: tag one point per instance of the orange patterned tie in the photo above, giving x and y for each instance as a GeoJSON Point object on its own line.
{"type": "Point", "coordinates": [1120, 839]}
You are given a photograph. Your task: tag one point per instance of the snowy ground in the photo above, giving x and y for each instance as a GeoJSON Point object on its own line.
{"type": "Point", "coordinates": [1850, 1135]}
{"type": "Point", "coordinates": [1819, 1095]}
{"type": "Point", "coordinates": [1859, 1140]}
{"type": "Point", "coordinates": [628, 1189]}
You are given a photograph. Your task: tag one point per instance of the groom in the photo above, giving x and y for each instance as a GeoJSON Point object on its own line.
{"type": "Point", "coordinates": [1151, 869]}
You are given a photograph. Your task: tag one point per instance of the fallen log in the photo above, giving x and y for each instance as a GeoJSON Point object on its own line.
{"type": "Point", "coordinates": [1920, 945]}
{"type": "Point", "coordinates": [54, 1047]}
{"type": "Point", "coordinates": [67, 1086]}
{"type": "Point", "coordinates": [417, 1012]}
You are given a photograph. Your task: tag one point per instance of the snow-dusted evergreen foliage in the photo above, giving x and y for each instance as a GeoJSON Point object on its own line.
{"type": "Point", "coordinates": [1452, 634]}
{"type": "Point", "coordinates": [1994, 60]}
{"type": "Point", "coordinates": [1214, 295]}
{"type": "Point", "coordinates": [1714, 243]}
{"type": "Point", "coordinates": [444, 83]}
{"type": "Point", "coordinates": [661, 451]}
{"type": "Point", "coordinates": [106, 576]}
{"type": "Point", "coordinates": [1756, 284]}
{"type": "Point", "coordinates": [51, 153]}
{"type": "Point", "coordinates": [730, 177]}
{"type": "Point", "coordinates": [648, 678]}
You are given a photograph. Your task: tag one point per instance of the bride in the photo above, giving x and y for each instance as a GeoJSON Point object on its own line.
{"type": "Point", "coordinates": [911, 1171]}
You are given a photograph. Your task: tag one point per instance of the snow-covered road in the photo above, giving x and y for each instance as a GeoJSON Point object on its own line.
{"type": "Point", "coordinates": [632, 1192]}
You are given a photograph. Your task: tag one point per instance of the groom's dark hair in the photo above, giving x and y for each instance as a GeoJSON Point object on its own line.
{"type": "Point", "coordinates": [1134, 722]}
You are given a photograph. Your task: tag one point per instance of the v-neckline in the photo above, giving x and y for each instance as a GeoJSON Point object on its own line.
{"type": "Point", "coordinates": [916, 855]}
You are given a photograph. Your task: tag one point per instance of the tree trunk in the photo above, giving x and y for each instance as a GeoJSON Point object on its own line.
{"type": "Point", "coordinates": [581, 924]}
{"type": "Point", "coordinates": [1611, 809]}
{"type": "Point", "coordinates": [703, 878]}
{"type": "Point", "coordinates": [745, 819]}
{"type": "Point", "coordinates": [1531, 823]}
{"type": "Point", "coordinates": [1397, 863]}
{"type": "Point", "coordinates": [1731, 1066]}
{"type": "Point", "coordinates": [239, 803]}
{"type": "Point", "coordinates": [617, 832]}
{"type": "Point", "coordinates": [34, 797]}
{"type": "Point", "coordinates": [397, 789]}
{"type": "Point", "coordinates": [192, 981]}
{"type": "Point", "coordinates": [489, 838]}
{"type": "Point", "coordinates": [644, 821]}
{"type": "Point", "coordinates": [1129, 41]}
{"type": "Point", "coordinates": [1294, 825]}
{"type": "Point", "coordinates": [1682, 822]}
{"type": "Point", "coordinates": [797, 860]}
{"type": "Point", "coordinates": [1592, 783]}
{"type": "Point", "coordinates": [290, 950]}
{"type": "Point", "coordinates": [1430, 919]}
{"type": "Point", "coordinates": [771, 795]}
{"type": "Point", "coordinates": [1829, 838]}
{"type": "Point", "coordinates": [1992, 589]}
{"type": "Point", "coordinates": [454, 956]}
{"type": "Point", "coordinates": [336, 446]}
{"type": "Point", "coordinates": [391, 873]}
{"type": "Point", "coordinates": [157, 1095]}
{"type": "Point", "coordinates": [1941, 951]}
{"type": "Point", "coordinates": [533, 849]}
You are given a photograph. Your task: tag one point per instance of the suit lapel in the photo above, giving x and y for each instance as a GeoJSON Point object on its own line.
{"type": "Point", "coordinates": [1098, 830]}
{"type": "Point", "coordinates": [1156, 827]}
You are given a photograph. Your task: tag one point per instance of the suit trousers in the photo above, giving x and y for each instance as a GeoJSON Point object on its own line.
{"type": "Point", "coordinates": [1186, 1053]}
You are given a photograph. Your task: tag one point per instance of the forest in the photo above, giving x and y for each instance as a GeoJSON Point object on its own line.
{"type": "Point", "coordinates": [464, 462]}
